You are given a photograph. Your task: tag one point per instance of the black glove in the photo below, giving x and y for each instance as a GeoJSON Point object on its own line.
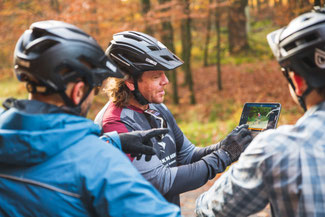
{"type": "Point", "coordinates": [236, 141]}
{"type": "Point", "coordinates": [137, 143]}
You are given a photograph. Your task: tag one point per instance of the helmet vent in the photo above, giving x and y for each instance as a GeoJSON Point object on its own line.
{"type": "Point", "coordinates": [133, 37]}
{"type": "Point", "coordinates": [300, 41]}
{"type": "Point", "coordinates": [168, 58]}
{"type": "Point", "coordinates": [306, 19]}
{"type": "Point", "coordinates": [153, 48]}
{"type": "Point", "coordinates": [133, 59]}
{"type": "Point", "coordinates": [41, 47]}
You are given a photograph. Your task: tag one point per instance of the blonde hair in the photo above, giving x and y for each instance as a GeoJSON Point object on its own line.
{"type": "Point", "coordinates": [117, 91]}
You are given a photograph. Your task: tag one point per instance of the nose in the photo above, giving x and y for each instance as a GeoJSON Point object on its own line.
{"type": "Point", "coordinates": [165, 80]}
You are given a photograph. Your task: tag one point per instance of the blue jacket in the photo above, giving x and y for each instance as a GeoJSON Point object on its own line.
{"type": "Point", "coordinates": [53, 164]}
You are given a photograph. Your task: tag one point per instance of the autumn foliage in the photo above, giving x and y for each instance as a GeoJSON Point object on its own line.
{"type": "Point", "coordinates": [102, 18]}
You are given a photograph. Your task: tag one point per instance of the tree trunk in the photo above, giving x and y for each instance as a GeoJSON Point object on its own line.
{"type": "Point", "coordinates": [94, 29]}
{"type": "Point", "coordinates": [303, 3]}
{"type": "Point", "coordinates": [207, 37]}
{"type": "Point", "coordinates": [167, 37]}
{"type": "Point", "coordinates": [258, 5]}
{"type": "Point", "coordinates": [218, 47]}
{"type": "Point", "coordinates": [237, 35]}
{"type": "Point", "coordinates": [292, 4]}
{"type": "Point", "coordinates": [187, 48]}
{"type": "Point", "coordinates": [55, 5]}
{"type": "Point", "coordinates": [145, 8]}
{"type": "Point", "coordinates": [317, 3]}
{"type": "Point", "coordinates": [277, 3]}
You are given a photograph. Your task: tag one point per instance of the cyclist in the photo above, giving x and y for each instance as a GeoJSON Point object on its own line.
{"type": "Point", "coordinates": [137, 104]}
{"type": "Point", "coordinates": [283, 167]}
{"type": "Point", "coordinates": [52, 162]}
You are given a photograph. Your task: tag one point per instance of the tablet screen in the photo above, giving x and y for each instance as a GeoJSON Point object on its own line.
{"type": "Point", "coordinates": [260, 116]}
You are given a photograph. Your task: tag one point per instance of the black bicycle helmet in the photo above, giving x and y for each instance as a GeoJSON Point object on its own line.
{"type": "Point", "coordinates": [300, 47]}
{"type": "Point", "coordinates": [136, 52]}
{"type": "Point", "coordinates": [49, 48]}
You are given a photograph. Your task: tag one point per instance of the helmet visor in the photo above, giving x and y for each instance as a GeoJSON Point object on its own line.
{"type": "Point", "coordinates": [273, 39]}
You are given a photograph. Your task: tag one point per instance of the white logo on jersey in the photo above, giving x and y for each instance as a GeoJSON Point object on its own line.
{"type": "Point", "coordinates": [320, 58]}
{"type": "Point", "coordinates": [162, 145]}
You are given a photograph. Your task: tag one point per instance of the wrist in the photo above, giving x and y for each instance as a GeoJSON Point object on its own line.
{"type": "Point", "coordinates": [226, 156]}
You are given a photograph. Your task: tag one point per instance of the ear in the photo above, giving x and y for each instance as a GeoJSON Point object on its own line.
{"type": "Point", "coordinates": [299, 83]}
{"type": "Point", "coordinates": [130, 84]}
{"type": "Point", "coordinates": [77, 92]}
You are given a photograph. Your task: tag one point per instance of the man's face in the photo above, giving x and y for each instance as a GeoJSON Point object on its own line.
{"type": "Point", "coordinates": [152, 86]}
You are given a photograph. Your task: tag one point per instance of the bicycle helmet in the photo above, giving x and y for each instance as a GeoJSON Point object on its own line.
{"type": "Point", "coordinates": [300, 47]}
{"type": "Point", "coordinates": [136, 52]}
{"type": "Point", "coordinates": [50, 54]}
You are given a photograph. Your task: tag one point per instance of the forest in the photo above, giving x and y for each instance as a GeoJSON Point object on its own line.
{"type": "Point", "coordinates": [227, 61]}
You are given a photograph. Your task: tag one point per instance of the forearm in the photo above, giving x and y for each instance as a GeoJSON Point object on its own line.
{"type": "Point", "coordinates": [195, 175]}
{"type": "Point", "coordinates": [200, 152]}
{"type": "Point", "coordinates": [240, 191]}
{"type": "Point", "coordinates": [230, 197]}
{"type": "Point", "coordinates": [189, 177]}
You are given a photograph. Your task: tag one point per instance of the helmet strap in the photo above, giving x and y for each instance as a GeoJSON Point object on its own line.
{"type": "Point", "coordinates": [301, 99]}
{"type": "Point", "coordinates": [70, 106]}
{"type": "Point", "coordinates": [33, 87]}
{"type": "Point", "coordinates": [138, 96]}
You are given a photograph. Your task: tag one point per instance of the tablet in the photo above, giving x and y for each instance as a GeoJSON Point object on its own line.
{"type": "Point", "coordinates": [260, 116]}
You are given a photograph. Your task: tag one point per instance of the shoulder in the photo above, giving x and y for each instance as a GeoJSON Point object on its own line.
{"type": "Point", "coordinates": [93, 151]}
{"type": "Point", "coordinates": [162, 108]}
{"type": "Point", "coordinates": [112, 119]}
{"type": "Point", "coordinates": [112, 112]}
{"type": "Point", "coordinates": [272, 139]}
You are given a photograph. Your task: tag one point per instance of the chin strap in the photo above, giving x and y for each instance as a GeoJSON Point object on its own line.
{"type": "Point", "coordinates": [69, 106]}
{"type": "Point", "coordinates": [301, 99]}
{"type": "Point", "coordinates": [138, 96]}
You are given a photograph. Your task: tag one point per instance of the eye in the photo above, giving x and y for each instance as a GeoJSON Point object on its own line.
{"type": "Point", "coordinates": [156, 75]}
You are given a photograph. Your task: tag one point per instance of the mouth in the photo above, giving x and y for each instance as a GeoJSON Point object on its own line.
{"type": "Point", "coordinates": [161, 92]}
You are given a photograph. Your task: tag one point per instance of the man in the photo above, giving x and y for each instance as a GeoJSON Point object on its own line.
{"type": "Point", "coordinates": [137, 104]}
{"type": "Point", "coordinates": [283, 167]}
{"type": "Point", "coordinates": [52, 162]}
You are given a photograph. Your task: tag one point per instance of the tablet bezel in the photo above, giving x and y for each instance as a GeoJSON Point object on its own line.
{"type": "Point", "coordinates": [243, 118]}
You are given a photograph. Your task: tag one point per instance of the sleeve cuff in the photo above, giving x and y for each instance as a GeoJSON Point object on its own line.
{"type": "Point", "coordinates": [113, 138]}
{"type": "Point", "coordinates": [225, 156]}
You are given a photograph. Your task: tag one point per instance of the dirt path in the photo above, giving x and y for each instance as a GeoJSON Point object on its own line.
{"type": "Point", "coordinates": [188, 202]}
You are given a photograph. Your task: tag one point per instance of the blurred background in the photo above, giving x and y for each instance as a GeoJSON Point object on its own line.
{"type": "Point", "coordinates": [222, 42]}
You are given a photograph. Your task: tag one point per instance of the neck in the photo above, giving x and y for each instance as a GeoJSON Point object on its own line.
{"type": "Point", "coordinates": [313, 98]}
{"type": "Point", "coordinates": [135, 103]}
{"type": "Point", "coordinates": [54, 100]}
